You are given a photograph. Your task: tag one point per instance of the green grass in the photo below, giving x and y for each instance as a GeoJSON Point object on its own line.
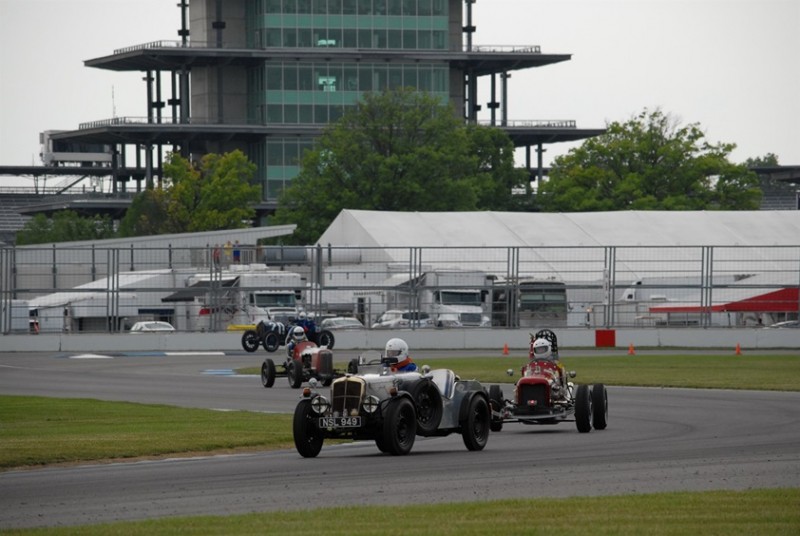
{"type": "Point", "coordinates": [38, 431]}
{"type": "Point", "coordinates": [757, 372]}
{"type": "Point", "coordinates": [728, 513]}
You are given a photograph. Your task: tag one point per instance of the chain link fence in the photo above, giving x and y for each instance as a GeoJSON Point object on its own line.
{"type": "Point", "coordinates": [92, 289]}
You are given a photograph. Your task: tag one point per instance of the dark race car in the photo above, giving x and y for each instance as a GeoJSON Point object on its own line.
{"type": "Point", "coordinates": [272, 335]}
{"type": "Point", "coordinates": [545, 393]}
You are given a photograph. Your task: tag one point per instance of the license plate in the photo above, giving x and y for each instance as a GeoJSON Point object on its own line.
{"type": "Point", "coordinates": [339, 422]}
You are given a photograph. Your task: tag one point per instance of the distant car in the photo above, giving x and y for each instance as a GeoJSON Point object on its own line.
{"type": "Point", "coordinates": [341, 322]}
{"type": "Point", "coordinates": [787, 324]}
{"type": "Point", "coordinates": [394, 319]}
{"type": "Point", "coordinates": [152, 326]}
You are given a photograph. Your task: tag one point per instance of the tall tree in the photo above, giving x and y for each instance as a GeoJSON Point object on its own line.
{"type": "Point", "coordinates": [649, 163]}
{"type": "Point", "coordinates": [217, 194]}
{"type": "Point", "coordinates": [399, 150]}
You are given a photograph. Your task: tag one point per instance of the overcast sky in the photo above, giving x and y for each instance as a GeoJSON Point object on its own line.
{"type": "Point", "coordinates": [732, 66]}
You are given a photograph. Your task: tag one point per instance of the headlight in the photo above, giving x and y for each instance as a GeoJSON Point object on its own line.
{"type": "Point", "coordinates": [320, 404]}
{"type": "Point", "coordinates": [371, 403]}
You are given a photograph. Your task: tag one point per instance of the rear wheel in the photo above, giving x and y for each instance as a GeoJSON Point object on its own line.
{"type": "Point", "coordinates": [583, 409]}
{"type": "Point", "coordinates": [308, 437]}
{"type": "Point", "coordinates": [399, 427]}
{"type": "Point", "coordinates": [475, 429]}
{"type": "Point", "coordinates": [294, 372]}
{"type": "Point", "coordinates": [428, 402]}
{"type": "Point", "coordinates": [250, 341]}
{"type": "Point", "coordinates": [326, 338]}
{"type": "Point", "coordinates": [496, 403]}
{"type": "Point", "coordinates": [599, 406]}
{"type": "Point", "coordinates": [268, 373]}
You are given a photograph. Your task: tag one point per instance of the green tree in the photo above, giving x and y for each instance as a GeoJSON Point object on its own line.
{"type": "Point", "coordinates": [64, 226]}
{"type": "Point", "coordinates": [218, 194]}
{"type": "Point", "coordinates": [769, 159]}
{"type": "Point", "coordinates": [399, 150]}
{"type": "Point", "coordinates": [147, 215]}
{"type": "Point", "coordinates": [649, 163]}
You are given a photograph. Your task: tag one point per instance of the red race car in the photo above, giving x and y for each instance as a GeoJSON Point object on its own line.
{"type": "Point", "coordinates": [545, 393]}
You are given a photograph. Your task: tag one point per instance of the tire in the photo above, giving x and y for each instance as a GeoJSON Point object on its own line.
{"type": "Point", "coordinates": [496, 402]}
{"type": "Point", "coordinates": [294, 372]}
{"type": "Point", "coordinates": [475, 428]}
{"type": "Point", "coordinates": [326, 338]}
{"type": "Point", "coordinates": [271, 342]}
{"type": "Point", "coordinates": [599, 406]}
{"type": "Point", "coordinates": [380, 443]}
{"type": "Point", "coordinates": [352, 366]}
{"type": "Point", "coordinates": [250, 341]}
{"type": "Point", "coordinates": [428, 405]}
{"type": "Point", "coordinates": [583, 409]}
{"type": "Point", "coordinates": [399, 427]}
{"type": "Point", "coordinates": [308, 438]}
{"type": "Point", "coordinates": [268, 373]}
{"type": "Point", "coordinates": [327, 381]}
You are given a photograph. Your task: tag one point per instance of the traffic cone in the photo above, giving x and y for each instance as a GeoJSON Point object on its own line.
{"type": "Point", "coordinates": [505, 349]}
{"type": "Point", "coordinates": [631, 351]}
{"type": "Point", "coordinates": [738, 349]}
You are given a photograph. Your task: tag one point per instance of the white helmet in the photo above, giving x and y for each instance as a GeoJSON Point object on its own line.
{"type": "Point", "coordinates": [302, 315]}
{"type": "Point", "coordinates": [397, 348]}
{"type": "Point", "coordinates": [542, 349]}
{"type": "Point", "coordinates": [298, 334]}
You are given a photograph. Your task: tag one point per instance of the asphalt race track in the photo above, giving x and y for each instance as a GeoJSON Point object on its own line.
{"type": "Point", "coordinates": [657, 440]}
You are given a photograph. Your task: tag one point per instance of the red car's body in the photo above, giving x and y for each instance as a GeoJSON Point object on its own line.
{"type": "Point", "coordinates": [544, 394]}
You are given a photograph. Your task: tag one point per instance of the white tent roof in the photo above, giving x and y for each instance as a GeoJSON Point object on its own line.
{"type": "Point", "coordinates": [367, 228]}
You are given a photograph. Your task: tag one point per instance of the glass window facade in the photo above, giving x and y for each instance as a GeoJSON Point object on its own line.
{"type": "Point", "coordinates": [310, 92]}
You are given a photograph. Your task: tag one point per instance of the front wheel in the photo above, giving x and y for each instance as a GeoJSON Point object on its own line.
{"type": "Point", "coordinates": [250, 341]}
{"type": "Point", "coordinates": [599, 406]}
{"type": "Point", "coordinates": [496, 403]}
{"type": "Point", "coordinates": [294, 372]}
{"type": "Point", "coordinates": [308, 437]}
{"type": "Point", "coordinates": [271, 342]}
{"type": "Point", "coordinates": [268, 373]}
{"type": "Point", "coordinates": [583, 409]}
{"type": "Point", "coordinates": [399, 427]}
{"type": "Point", "coordinates": [475, 429]}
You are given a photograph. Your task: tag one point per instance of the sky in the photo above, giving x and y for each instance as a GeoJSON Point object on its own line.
{"type": "Point", "coordinates": [730, 66]}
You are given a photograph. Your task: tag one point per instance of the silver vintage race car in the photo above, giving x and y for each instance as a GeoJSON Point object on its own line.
{"type": "Point", "coordinates": [392, 408]}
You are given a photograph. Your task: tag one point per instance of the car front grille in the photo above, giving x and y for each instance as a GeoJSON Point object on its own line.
{"type": "Point", "coordinates": [471, 319]}
{"type": "Point", "coordinates": [347, 394]}
{"type": "Point", "coordinates": [537, 393]}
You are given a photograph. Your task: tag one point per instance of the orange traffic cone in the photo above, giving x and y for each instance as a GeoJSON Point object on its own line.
{"type": "Point", "coordinates": [631, 351]}
{"type": "Point", "coordinates": [505, 349]}
{"type": "Point", "coordinates": [738, 349]}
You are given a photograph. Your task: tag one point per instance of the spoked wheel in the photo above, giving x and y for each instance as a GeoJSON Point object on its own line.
{"type": "Point", "coordinates": [250, 341]}
{"type": "Point", "coordinates": [294, 372]}
{"type": "Point", "coordinates": [268, 373]}
{"type": "Point", "coordinates": [326, 339]}
{"type": "Point", "coordinates": [308, 437]}
{"type": "Point", "coordinates": [496, 403]}
{"type": "Point", "coordinates": [475, 429]}
{"type": "Point", "coordinates": [583, 409]}
{"type": "Point", "coordinates": [599, 406]}
{"type": "Point", "coordinates": [271, 342]}
{"type": "Point", "coordinates": [428, 402]}
{"type": "Point", "coordinates": [399, 427]}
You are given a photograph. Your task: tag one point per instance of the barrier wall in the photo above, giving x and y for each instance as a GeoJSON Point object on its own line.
{"type": "Point", "coordinates": [493, 340]}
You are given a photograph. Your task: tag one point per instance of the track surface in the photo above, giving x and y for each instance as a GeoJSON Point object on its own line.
{"type": "Point", "coordinates": [657, 440]}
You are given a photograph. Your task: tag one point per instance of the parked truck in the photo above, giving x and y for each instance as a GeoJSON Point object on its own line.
{"type": "Point", "coordinates": [451, 298]}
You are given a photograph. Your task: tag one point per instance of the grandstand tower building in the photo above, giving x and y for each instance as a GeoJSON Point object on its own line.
{"type": "Point", "coordinates": [266, 76]}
